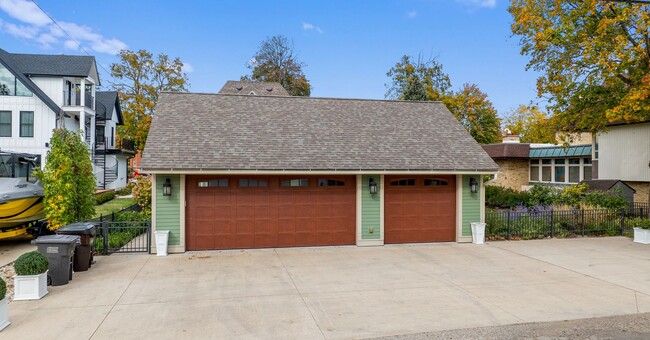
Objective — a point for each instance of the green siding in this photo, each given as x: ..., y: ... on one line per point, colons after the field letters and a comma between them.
x: 370, y: 209
x: 471, y: 206
x: 168, y: 208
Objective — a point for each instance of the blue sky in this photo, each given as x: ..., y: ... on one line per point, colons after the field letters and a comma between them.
x: 348, y: 46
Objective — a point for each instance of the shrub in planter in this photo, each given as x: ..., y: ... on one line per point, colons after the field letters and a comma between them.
x: 3, y: 289
x: 32, y: 263
x: 4, y: 315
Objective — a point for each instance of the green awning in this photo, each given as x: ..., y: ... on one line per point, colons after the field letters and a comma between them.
x: 559, y: 152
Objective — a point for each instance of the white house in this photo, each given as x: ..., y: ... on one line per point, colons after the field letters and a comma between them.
x: 623, y: 152
x: 39, y: 93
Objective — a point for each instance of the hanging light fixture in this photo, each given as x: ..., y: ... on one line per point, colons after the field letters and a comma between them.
x: 473, y: 184
x: 167, y: 187
x: 373, y: 186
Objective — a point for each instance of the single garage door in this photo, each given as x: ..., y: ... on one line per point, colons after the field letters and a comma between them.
x: 420, y: 209
x: 227, y: 212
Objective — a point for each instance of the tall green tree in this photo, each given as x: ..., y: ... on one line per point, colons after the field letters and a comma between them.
x: 424, y: 80
x: 420, y: 79
x: 531, y: 124
x: 593, y: 57
x: 476, y: 113
x: 68, y: 180
x: 275, y: 61
x: 139, y: 78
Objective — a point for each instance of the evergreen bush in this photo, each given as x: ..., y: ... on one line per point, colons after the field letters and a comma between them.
x: 32, y: 263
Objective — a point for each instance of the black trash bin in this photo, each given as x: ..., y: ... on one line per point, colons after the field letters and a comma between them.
x: 83, y: 253
x: 59, y: 250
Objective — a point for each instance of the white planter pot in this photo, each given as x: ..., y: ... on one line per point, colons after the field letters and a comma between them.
x: 642, y: 235
x: 30, y: 287
x: 162, y: 239
x: 478, y: 232
x: 4, y: 313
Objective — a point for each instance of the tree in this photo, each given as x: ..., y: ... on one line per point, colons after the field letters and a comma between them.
x: 68, y: 180
x: 419, y: 80
x: 139, y: 80
x: 275, y: 61
x: 593, y: 56
x: 531, y: 124
x: 476, y: 113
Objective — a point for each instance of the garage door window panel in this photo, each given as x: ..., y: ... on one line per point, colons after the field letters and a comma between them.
x: 326, y: 182
x: 213, y: 183
x: 295, y: 182
x: 435, y: 182
x: 253, y: 183
x: 403, y: 182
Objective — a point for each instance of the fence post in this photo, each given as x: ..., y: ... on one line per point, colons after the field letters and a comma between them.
x: 105, y: 237
x: 149, y: 236
x: 552, y: 223
x: 113, y: 216
x: 508, y: 225
x: 622, y: 221
x: 583, y: 221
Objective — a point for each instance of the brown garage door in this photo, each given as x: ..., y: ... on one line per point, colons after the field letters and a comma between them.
x: 420, y: 209
x: 226, y: 212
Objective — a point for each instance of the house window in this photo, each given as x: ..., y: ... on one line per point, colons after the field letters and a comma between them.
x: 219, y: 183
x: 299, y: 182
x: 546, y: 170
x: 407, y: 182
x: 586, y: 168
x: 534, y: 170
x: 5, y: 123
x: 560, y: 171
x: 574, y: 170
x: 26, y: 124
x: 254, y: 183
x: 433, y: 182
x: 10, y: 85
x: 112, y: 136
x: 324, y: 182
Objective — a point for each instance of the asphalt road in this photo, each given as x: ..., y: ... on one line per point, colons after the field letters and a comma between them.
x: 629, y: 327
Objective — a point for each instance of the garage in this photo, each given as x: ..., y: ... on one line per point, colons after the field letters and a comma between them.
x: 229, y: 212
x: 420, y: 209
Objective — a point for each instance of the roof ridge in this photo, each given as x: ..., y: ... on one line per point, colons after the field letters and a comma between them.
x: 304, y: 97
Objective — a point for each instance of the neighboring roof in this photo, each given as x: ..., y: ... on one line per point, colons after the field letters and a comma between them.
x: 507, y: 150
x: 559, y: 151
x: 106, y: 100
x: 220, y: 132
x: 55, y: 65
x: 8, y: 62
x: 604, y: 184
x: 259, y: 88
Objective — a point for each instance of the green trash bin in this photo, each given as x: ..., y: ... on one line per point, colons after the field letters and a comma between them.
x: 59, y: 250
x: 83, y: 253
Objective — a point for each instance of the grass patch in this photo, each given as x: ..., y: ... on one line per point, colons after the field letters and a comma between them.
x: 114, y: 205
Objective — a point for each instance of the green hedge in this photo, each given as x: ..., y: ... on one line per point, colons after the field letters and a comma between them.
x: 104, y: 197
x: 544, y: 195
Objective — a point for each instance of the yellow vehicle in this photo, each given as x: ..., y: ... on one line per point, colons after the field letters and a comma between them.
x: 21, y: 201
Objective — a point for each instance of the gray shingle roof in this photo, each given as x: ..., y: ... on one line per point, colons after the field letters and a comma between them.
x: 54, y: 65
x: 106, y: 100
x: 220, y: 132
x: 260, y: 88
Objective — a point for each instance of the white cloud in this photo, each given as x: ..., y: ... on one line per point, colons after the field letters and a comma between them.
x: 479, y: 3
x: 411, y: 14
x: 187, y: 67
x: 36, y: 26
x: 310, y: 27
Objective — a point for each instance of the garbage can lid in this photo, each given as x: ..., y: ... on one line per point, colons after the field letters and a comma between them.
x: 57, y: 239
x: 79, y: 228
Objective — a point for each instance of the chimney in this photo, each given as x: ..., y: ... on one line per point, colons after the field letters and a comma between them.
x: 509, y: 137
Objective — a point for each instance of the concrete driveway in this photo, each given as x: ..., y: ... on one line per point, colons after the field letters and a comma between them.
x: 341, y: 292
x: 10, y: 249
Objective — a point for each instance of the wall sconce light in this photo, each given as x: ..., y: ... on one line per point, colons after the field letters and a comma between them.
x: 167, y: 187
x: 473, y: 184
x: 373, y: 186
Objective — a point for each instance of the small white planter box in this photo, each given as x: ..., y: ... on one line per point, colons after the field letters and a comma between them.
x: 30, y: 287
x: 162, y: 239
x: 478, y: 232
x: 4, y: 313
x: 642, y: 235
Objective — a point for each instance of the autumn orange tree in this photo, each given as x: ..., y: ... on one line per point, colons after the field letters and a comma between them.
x: 424, y: 79
x: 593, y: 57
x: 531, y: 124
x: 139, y: 79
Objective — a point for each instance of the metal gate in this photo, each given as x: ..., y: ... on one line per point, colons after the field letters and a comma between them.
x: 123, y: 237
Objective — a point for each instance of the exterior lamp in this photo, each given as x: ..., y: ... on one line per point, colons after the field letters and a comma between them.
x: 167, y: 187
x: 473, y: 184
x: 373, y: 186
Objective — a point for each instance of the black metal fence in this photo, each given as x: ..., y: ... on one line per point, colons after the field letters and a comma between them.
x: 117, y: 235
x: 111, y: 216
x: 542, y: 223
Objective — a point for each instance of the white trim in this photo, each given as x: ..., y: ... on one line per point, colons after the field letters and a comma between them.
x: 370, y: 243
x: 481, y: 199
x: 183, y: 205
x: 459, y: 208
x: 154, y: 208
x: 359, y: 203
x: 317, y: 172
x: 381, y: 208
x: 464, y: 239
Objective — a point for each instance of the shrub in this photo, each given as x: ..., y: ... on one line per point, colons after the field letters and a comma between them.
x: 501, y: 197
x: 104, y: 197
x: 3, y: 288
x: 543, y: 195
x: 142, y: 194
x: 32, y: 263
x: 124, y: 191
x: 638, y: 223
x: 127, y: 216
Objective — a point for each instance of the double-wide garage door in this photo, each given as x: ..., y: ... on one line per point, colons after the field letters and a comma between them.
x: 226, y: 212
